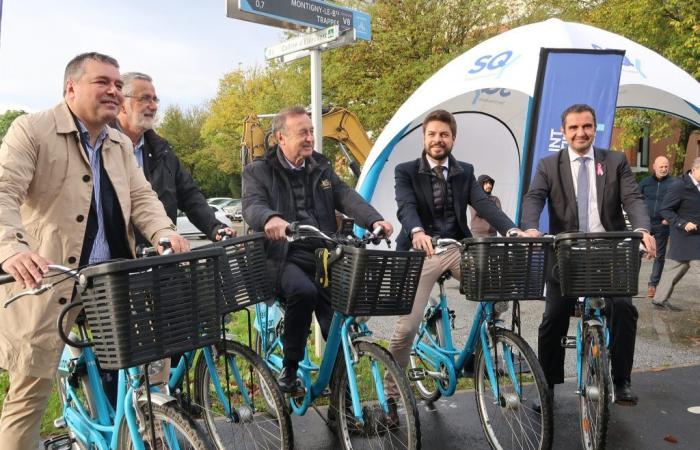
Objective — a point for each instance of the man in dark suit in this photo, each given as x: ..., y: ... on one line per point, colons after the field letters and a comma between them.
x: 432, y: 193
x: 586, y: 188
x: 681, y: 208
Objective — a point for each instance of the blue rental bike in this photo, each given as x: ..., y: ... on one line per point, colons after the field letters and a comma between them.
x: 593, y: 267
x: 135, y: 312
x: 508, y: 379
x: 362, y: 282
x: 235, y: 393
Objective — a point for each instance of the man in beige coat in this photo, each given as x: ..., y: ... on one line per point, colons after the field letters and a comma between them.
x: 49, y: 164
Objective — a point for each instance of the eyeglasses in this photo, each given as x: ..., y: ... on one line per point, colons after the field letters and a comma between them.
x: 145, y: 99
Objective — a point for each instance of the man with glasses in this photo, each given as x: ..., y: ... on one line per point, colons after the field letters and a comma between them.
x: 174, y: 185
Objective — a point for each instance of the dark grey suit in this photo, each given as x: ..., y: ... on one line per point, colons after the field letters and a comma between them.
x: 615, y: 188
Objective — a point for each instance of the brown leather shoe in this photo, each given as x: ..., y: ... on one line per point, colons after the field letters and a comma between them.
x: 651, y: 291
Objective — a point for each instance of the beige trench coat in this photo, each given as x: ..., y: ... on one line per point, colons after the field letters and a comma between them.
x: 45, y: 196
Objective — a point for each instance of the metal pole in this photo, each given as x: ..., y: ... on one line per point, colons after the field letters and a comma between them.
x: 316, y: 113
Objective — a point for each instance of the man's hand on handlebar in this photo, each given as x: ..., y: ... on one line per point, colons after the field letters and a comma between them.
x: 422, y: 241
x: 228, y: 231
x: 649, y: 245
x: 276, y: 228
x: 386, y: 226
x: 27, y: 268
x: 532, y: 232
x: 178, y: 243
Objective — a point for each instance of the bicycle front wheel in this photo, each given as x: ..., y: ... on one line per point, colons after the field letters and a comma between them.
x: 378, y: 427
x: 509, y: 419
x: 173, y: 430
x: 258, y: 416
x: 594, y: 398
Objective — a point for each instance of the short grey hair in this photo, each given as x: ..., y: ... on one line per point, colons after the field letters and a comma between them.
x: 279, y: 122
x: 129, y: 77
x: 696, y: 163
x: 76, y: 66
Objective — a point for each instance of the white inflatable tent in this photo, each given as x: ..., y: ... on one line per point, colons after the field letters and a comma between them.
x: 489, y: 88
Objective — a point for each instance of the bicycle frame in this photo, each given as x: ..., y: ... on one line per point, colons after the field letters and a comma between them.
x: 102, y: 431
x: 445, y: 356
x: 339, y: 339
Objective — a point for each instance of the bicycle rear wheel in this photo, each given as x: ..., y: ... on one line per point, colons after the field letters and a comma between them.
x: 510, y: 420
x: 261, y: 420
x: 377, y: 429
x: 428, y: 387
x: 173, y: 428
x: 594, y: 400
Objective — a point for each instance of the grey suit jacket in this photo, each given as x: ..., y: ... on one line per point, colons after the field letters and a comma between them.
x: 615, y: 188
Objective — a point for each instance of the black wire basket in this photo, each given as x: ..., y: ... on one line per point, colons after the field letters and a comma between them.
x: 598, y: 264
x: 504, y: 268
x: 247, y: 281
x: 368, y: 282
x: 147, y: 309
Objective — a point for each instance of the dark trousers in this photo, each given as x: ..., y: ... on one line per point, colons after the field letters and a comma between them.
x: 621, y: 317
x: 660, y: 233
x: 303, y: 297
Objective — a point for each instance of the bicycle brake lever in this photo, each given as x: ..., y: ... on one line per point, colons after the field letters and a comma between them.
x: 35, y: 291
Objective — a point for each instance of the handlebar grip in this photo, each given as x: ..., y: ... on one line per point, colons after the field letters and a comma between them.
x: 292, y: 228
x: 6, y: 278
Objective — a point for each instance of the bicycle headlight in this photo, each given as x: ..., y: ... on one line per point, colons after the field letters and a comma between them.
x: 596, y: 302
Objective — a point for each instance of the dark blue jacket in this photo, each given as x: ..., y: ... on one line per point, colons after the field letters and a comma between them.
x: 414, y: 196
x: 682, y: 205
x: 654, y: 189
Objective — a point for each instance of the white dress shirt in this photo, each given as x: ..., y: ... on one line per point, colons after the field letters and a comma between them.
x: 594, y: 223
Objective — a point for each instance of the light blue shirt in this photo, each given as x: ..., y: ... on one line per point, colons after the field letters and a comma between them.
x: 100, y: 249
x: 138, y: 151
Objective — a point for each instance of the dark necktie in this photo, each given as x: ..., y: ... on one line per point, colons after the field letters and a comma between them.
x: 582, y: 186
x: 442, y: 187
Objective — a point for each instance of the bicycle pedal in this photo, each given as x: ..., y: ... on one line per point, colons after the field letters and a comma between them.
x: 568, y: 342
x: 416, y: 374
x: 62, y: 442
x: 59, y: 423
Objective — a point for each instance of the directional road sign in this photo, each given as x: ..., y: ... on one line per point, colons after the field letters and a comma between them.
x: 303, y: 42
x: 300, y: 14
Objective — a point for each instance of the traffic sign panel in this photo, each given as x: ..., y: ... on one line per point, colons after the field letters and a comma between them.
x: 302, y: 42
x: 299, y: 14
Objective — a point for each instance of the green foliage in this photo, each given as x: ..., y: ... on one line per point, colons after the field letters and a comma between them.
x: 6, y: 120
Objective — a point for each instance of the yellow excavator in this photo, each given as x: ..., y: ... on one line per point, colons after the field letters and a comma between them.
x: 339, y: 124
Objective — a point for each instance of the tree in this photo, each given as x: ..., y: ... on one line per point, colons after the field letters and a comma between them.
x: 6, y: 120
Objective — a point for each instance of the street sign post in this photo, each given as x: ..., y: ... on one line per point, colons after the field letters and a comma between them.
x: 300, y: 14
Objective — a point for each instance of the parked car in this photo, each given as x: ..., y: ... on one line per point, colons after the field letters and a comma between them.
x: 186, y: 228
x: 238, y: 215
x: 229, y: 205
x: 217, y: 201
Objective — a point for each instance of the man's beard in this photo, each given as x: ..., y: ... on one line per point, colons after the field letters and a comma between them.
x: 446, y: 153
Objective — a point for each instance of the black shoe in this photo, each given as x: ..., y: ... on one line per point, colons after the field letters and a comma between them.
x: 666, y: 306
x: 392, y: 417
x: 288, y: 382
x: 624, y: 394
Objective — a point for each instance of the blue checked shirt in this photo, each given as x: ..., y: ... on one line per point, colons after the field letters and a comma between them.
x: 100, y: 248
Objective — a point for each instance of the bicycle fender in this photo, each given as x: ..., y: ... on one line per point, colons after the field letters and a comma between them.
x: 158, y: 398
x: 370, y: 339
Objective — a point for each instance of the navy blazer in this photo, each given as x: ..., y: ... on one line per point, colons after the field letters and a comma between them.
x: 414, y: 196
x: 682, y: 205
x: 615, y: 188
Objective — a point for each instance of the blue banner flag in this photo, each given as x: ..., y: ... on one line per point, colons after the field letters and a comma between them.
x: 566, y: 77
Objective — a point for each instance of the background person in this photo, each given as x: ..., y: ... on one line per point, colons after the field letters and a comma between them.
x: 654, y: 188
x: 681, y: 209
x: 479, y: 226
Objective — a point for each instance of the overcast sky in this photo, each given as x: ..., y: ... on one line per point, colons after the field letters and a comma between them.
x: 185, y: 45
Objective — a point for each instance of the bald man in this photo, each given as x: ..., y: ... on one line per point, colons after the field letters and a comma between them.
x: 654, y: 189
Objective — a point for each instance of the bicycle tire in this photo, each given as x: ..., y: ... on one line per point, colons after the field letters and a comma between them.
x: 511, y: 422
x: 188, y: 435
x: 266, y: 424
x: 376, y: 432
x: 594, y: 400
x: 428, y: 387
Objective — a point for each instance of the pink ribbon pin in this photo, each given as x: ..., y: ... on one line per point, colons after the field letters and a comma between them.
x: 599, y: 169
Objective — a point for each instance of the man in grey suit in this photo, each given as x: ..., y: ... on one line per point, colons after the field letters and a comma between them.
x: 586, y: 188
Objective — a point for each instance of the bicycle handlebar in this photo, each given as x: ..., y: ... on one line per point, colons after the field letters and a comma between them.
x: 295, y: 229
x: 6, y: 278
